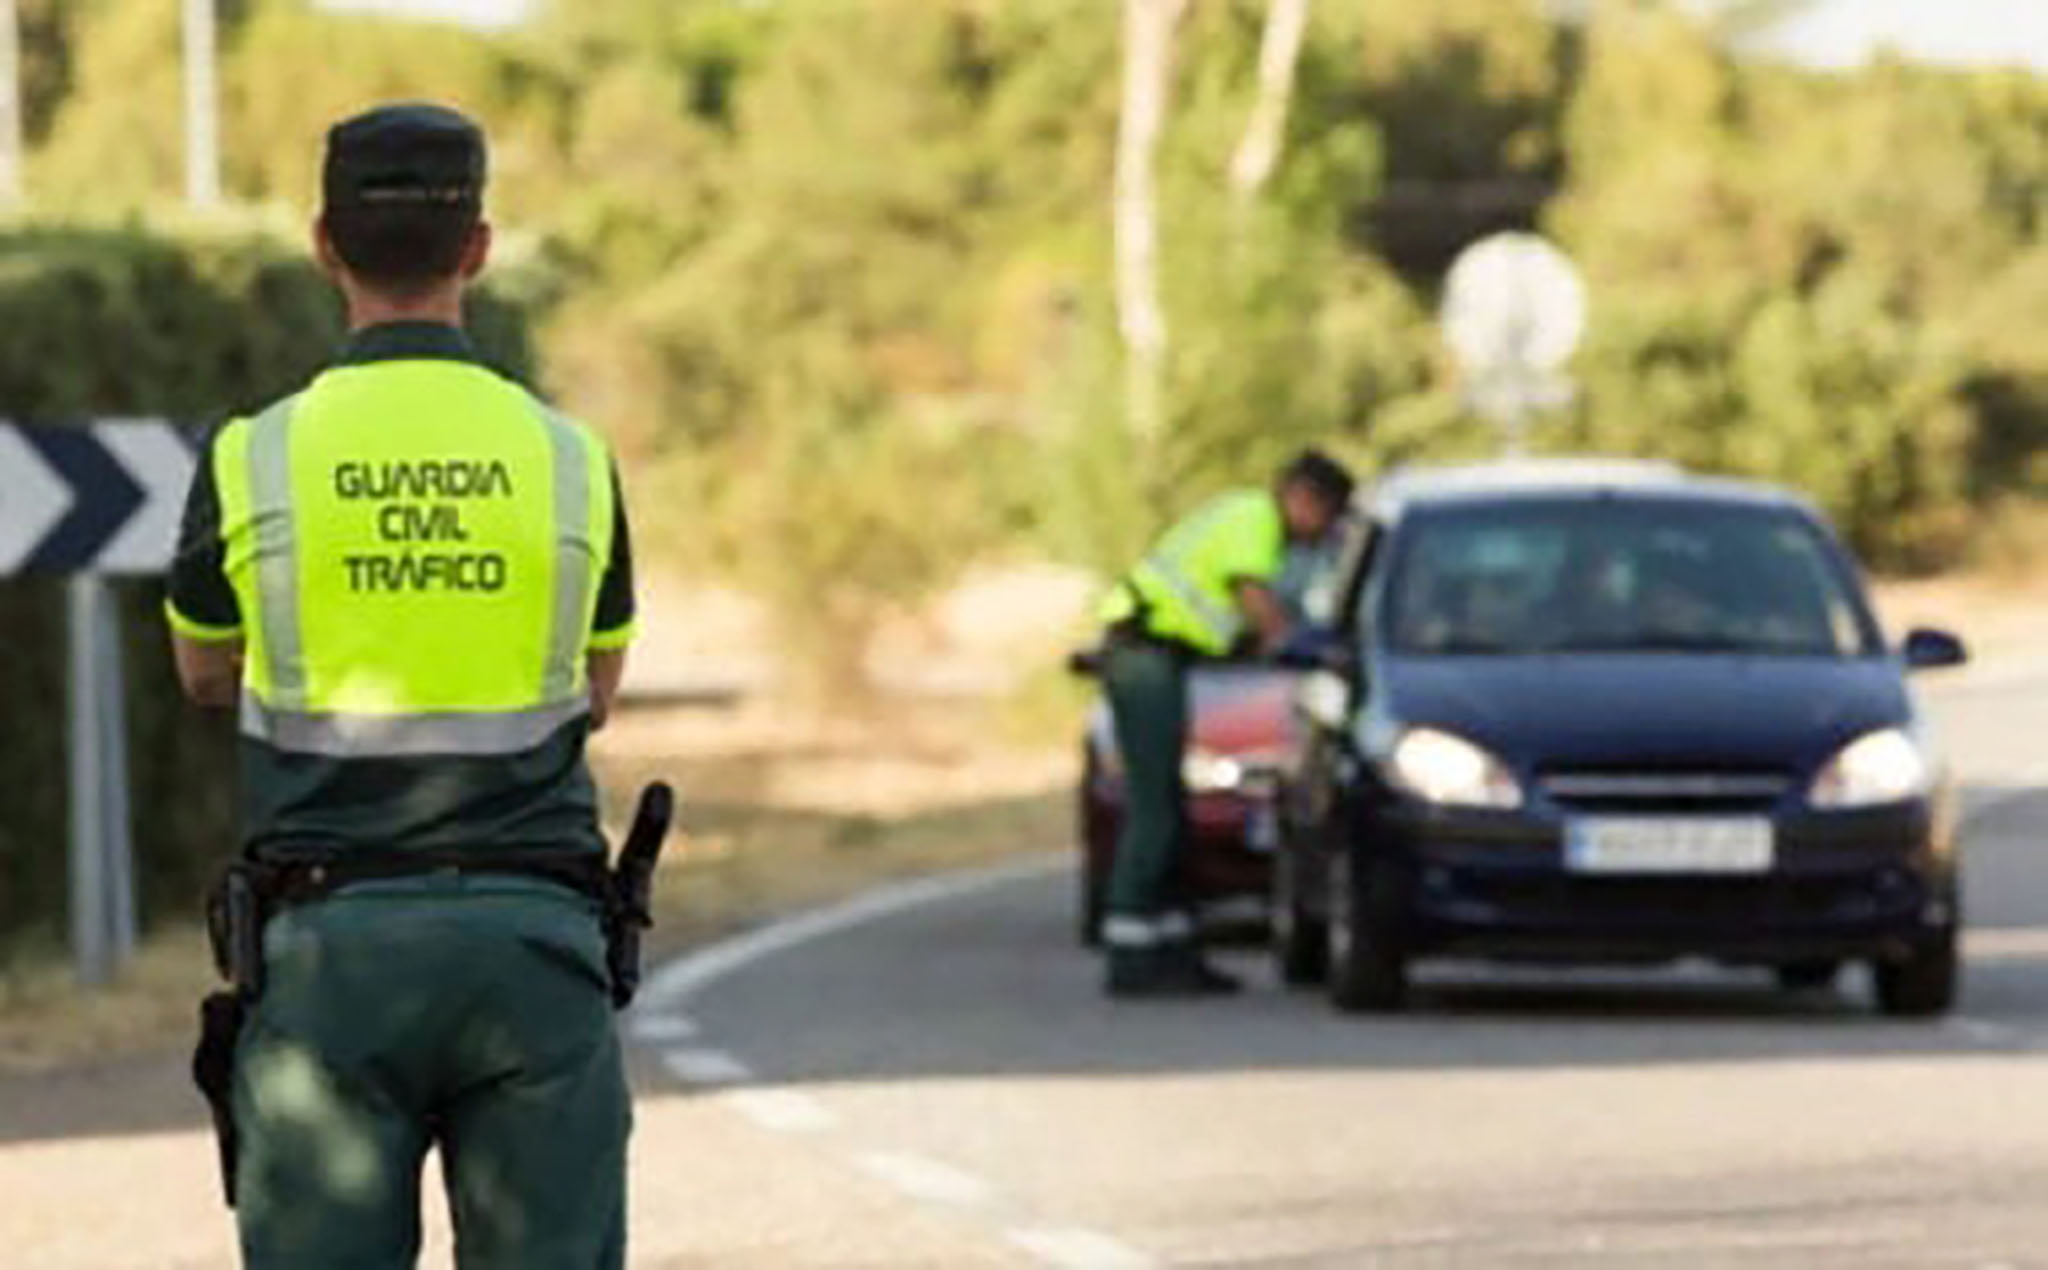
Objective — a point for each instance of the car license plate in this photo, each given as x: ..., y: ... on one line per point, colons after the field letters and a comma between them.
x: 1669, y: 844
x: 1262, y: 829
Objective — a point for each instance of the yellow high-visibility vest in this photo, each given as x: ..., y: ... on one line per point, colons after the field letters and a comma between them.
x: 1185, y: 590
x: 416, y: 548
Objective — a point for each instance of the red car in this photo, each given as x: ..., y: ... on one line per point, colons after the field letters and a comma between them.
x: 1242, y: 731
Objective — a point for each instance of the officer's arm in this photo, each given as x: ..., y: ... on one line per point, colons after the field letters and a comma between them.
x: 199, y: 605
x: 613, y: 626
x: 607, y: 668
x: 211, y: 672
x: 1267, y: 615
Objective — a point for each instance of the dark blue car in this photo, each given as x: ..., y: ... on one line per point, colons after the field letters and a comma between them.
x: 1613, y: 713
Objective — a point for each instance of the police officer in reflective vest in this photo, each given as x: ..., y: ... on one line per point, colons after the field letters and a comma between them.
x: 412, y: 580
x: 1202, y: 592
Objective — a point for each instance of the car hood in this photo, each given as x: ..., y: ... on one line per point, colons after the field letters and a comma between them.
x: 1241, y: 711
x: 1237, y: 711
x: 1718, y: 711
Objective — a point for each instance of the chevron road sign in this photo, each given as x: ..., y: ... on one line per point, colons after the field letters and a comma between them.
x: 92, y: 502
x: 103, y: 498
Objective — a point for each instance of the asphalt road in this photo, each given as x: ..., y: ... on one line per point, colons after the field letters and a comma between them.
x: 931, y: 1079
x: 949, y: 1072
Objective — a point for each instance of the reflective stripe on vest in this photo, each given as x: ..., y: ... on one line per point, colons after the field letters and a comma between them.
x: 412, y: 594
x: 1196, y: 610
x: 277, y: 581
x: 1222, y: 625
x: 405, y: 735
x: 574, y: 555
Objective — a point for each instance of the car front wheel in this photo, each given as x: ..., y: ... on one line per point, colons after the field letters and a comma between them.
x: 1301, y: 940
x: 1368, y: 962
x: 1923, y: 984
x: 1091, y: 903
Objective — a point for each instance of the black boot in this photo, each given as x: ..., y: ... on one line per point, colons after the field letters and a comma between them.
x: 1165, y: 970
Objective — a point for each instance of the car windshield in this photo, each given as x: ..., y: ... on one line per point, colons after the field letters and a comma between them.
x: 1614, y: 575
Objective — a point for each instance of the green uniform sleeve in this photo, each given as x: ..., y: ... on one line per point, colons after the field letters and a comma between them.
x: 616, y: 622
x: 199, y: 603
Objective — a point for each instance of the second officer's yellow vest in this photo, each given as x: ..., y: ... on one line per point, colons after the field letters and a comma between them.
x: 1185, y: 590
x: 416, y: 548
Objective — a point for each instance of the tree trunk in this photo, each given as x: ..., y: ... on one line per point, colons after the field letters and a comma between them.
x: 1148, y: 77
x: 1258, y: 154
x: 202, y: 104
x: 11, y: 145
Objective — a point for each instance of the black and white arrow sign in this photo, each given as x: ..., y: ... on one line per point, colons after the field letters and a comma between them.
x: 104, y: 498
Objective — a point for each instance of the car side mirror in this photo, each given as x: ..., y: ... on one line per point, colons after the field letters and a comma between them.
x: 1324, y: 699
x: 1928, y: 649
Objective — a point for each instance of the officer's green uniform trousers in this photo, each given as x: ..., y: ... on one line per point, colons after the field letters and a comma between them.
x: 1146, y: 684
x: 469, y: 1011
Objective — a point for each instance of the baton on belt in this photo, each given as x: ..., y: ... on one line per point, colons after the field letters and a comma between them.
x: 633, y: 888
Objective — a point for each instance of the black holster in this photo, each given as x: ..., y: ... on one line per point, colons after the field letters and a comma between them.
x: 235, y: 913
x: 221, y: 1017
x: 629, y: 911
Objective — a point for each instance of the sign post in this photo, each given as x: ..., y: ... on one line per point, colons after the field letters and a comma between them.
x: 1514, y: 311
x: 91, y: 845
x: 91, y: 503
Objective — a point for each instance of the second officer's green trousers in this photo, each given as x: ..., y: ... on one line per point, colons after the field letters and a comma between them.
x: 464, y: 1013
x: 1146, y: 684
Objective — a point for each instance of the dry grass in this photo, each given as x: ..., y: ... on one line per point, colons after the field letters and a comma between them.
x: 781, y: 812
x: 776, y: 818
x: 47, y: 1021
x: 738, y: 867
x: 2001, y: 614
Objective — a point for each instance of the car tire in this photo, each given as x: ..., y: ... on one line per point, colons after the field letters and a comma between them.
x: 1808, y: 976
x: 1368, y: 962
x: 1923, y: 985
x: 1093, y: 902
x: 1301, y: 940
x: 1092, y: 885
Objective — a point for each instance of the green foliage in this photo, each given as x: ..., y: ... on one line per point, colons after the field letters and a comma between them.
x: 1819, y: 280
x: 851, y: 253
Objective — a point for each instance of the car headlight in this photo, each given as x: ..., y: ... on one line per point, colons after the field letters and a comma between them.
x: 1876, y: 768
x: 1247, y: 772
x: 1206, y: 773
x: 1438, y: 767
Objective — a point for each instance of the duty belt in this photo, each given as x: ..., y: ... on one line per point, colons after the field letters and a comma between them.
x: 291, y: 882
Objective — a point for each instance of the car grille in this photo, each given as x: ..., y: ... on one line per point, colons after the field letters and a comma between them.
x: 1676, y: 902
x: 1700, y: 792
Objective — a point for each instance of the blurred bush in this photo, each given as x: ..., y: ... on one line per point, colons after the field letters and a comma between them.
x: 126, y: 323
x: 834, y: 276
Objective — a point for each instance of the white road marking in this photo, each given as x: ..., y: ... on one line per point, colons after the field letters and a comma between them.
x: 2000, y: 674
x: 679, y: 980
x: 1072, y: 1248
x: 782, y: 1110
x: 926, y: 1179
x: 706, y: 1067
x: 1982, y: 1031
x: 662, y: 1027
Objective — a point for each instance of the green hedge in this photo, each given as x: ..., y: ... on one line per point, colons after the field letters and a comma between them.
x: 131, y: 323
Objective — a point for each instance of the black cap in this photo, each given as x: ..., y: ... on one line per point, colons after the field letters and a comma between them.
x: 408, y: 154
